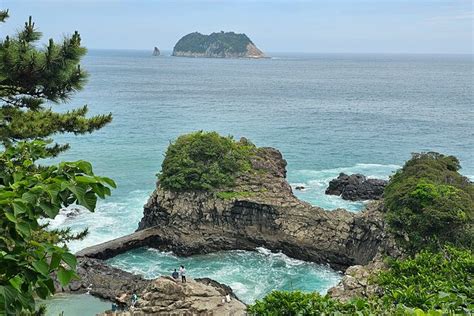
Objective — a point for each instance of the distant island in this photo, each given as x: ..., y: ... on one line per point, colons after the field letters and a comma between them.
x: 217, y: 45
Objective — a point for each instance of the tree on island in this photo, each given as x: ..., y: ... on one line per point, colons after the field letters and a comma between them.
x: 31, y: 80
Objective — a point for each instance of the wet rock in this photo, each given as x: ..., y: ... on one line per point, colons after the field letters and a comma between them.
x: 356, y: 187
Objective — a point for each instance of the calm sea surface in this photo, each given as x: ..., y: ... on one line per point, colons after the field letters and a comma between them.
x: 326, y: 113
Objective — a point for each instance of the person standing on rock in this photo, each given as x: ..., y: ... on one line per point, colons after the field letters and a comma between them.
x: 175, y: 274
x: 182, y: 272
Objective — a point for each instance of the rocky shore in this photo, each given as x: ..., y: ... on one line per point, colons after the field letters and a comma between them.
x: 259, y: 211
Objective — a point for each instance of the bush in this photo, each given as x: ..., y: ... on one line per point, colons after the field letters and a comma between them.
x: 204, y: 161
x: 430, y: 204
x: 442, y: 281
x: 428, y: 284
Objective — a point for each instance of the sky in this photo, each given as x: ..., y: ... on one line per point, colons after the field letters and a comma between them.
x: 319, y: 26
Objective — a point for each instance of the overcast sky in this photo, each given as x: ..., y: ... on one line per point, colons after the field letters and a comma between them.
x: 341, y: 26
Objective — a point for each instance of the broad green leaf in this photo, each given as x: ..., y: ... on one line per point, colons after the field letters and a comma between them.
x: 55, y: 260
x: 85, y: 166
x: 19, y: 207
x: 49, y: 209
x: 10, y: 217
x: 24, y: 228
x: 89, y: 201
x: 64, y: 276
x: 41, y: 266
x: 109, y: 181
x: 16, y: 282
x: 70, y: 259
x: 86, y: 179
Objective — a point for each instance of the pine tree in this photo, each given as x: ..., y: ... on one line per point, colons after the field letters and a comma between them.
x: 33, y: 79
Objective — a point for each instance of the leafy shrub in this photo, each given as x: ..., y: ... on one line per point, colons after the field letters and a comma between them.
x: 204, y: 161
x: 28, y: 192
x: 296, y: 303
x: 430, y: 204
x: 428, y: 284
x: 441, y: 281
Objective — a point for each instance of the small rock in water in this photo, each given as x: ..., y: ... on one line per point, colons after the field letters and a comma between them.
x: 356, y: 187
x: 300, y: 188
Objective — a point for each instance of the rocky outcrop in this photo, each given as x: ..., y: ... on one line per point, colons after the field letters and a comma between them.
x: 160, y: 296
x: 358, y: 282
x: 356, y: 187
x: 262, y: 212
x: 217, y: 45
x: 101, y: 280
x: 166, y: 296
x: 267, y: 215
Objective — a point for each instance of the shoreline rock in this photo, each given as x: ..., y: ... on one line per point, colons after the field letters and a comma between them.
x: 163, y: 295
x: 166, y: 296
x: 356, y: 187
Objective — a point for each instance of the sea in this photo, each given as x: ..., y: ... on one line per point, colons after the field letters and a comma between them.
x: 326, y: 113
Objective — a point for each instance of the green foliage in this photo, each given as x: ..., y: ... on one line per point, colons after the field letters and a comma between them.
x: 428, y: 284
x: 441, y: 281
x: 28, y: 254
x: 220, y: 42
x: 430, y: 204
x: 230, y: 195
x: 31, y: 78
x: 204, y: 161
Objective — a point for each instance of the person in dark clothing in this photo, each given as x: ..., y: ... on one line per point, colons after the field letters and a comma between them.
x: 175, y: 274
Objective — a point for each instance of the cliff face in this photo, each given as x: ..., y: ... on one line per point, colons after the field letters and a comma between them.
x: 262, y: 211
x: 217, y: 45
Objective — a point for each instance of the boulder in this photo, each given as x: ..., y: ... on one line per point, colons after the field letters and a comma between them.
x: 356, y: 187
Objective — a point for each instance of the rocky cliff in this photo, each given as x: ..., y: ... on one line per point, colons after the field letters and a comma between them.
x: 217, y: 45
x: 261, y: 210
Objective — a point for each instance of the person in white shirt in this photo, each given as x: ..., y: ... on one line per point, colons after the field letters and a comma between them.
x: 182, y: 272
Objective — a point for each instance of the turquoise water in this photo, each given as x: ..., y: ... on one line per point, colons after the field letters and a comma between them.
x: 326, y: 113
x: 75, y: 305
x: 250, y: 274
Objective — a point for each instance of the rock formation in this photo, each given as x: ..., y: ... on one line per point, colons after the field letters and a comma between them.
x: 102, y: 280
x: 262, y: 212
x: 356, y: 187
x: 156, y: 51
x: 217, y: 45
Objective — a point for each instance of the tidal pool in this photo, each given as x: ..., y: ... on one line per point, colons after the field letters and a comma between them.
x: 75, y: 305
x: 251, y: 274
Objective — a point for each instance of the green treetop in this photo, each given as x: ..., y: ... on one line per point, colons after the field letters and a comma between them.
x: 33, y: 79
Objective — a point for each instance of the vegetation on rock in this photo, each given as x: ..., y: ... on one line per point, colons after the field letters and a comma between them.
x: 29, y: 79
x: 221, y: 42
x: 204, y: 161
x: 430, y: 204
